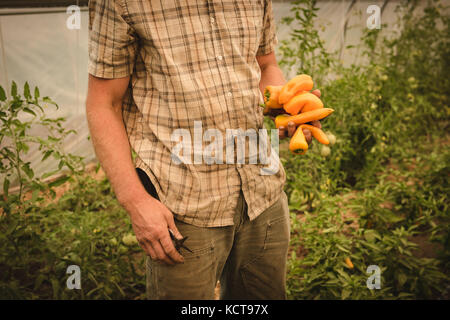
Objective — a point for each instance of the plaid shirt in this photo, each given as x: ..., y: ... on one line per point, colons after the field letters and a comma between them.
x: 189, y: 61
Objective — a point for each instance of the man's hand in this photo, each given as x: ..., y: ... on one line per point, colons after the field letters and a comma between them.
x: 151, y: 220
x: 291, y: 127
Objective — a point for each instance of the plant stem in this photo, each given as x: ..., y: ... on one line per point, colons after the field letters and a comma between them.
x: 17, y: 162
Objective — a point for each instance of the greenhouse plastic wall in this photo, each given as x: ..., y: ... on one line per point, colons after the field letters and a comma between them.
x: 37, y: 46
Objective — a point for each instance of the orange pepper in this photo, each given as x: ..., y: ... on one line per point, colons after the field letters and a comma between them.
x: 303, y: 102
x: 318, y: 114
x: 299, y: 83
x: 316, y: 133
x: 349, y: 263
x: 271, y: 94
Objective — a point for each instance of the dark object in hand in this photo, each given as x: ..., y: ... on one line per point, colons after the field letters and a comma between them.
x: 179, y: 243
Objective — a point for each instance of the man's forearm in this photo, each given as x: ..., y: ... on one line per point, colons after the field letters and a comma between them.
x: 113, y: 150
x: 271, y: 75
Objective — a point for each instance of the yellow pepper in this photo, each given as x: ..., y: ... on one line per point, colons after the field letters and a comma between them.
x: 298, y: 144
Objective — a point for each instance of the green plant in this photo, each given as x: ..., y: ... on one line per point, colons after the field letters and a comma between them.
x: 380, y: 197
x: 41, y: 234
x: 304, y: 50
x: 18, y: 116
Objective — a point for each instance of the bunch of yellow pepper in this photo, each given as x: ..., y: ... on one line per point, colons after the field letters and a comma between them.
x: 301, y: 107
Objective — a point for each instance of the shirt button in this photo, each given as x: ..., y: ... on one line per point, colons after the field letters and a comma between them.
x: 219, y: 58
x: 229, y: 94
x: 212, y: 20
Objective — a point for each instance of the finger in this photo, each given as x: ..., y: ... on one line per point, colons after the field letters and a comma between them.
x: 308, y: 135
x: 146, y: 244
x: 148, y: 249
x: 170, y: 250
x: 281, y: 132
x: 317, y: 93
x: 316, y: 123
x: 291, y: 128
x: 161, y: 255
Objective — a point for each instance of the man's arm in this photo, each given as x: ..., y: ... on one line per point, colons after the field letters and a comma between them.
x: 271, y: 74
x: 149, y: 217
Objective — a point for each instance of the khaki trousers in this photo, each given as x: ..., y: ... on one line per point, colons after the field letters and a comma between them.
x: 249, y: 259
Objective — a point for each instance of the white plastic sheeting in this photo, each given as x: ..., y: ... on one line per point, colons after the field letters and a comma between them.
x: 40, y: 49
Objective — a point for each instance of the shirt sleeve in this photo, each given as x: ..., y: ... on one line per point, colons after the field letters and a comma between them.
x: 112, y: 41
x: 269, y: 37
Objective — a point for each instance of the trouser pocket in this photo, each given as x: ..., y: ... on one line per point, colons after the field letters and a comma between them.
x: 265, y: 276
x: 193, y: 279
x: 257, y: 267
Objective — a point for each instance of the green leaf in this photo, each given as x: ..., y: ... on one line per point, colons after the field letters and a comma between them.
x: 342, y: 248
x: 372, y: 246
x: 53, y: 139
x: 26, y: 91
x: 22, y: 147
x: 9, y: 153
x: 332, y: 229
x: 14, y: 89
x: 58, y: 181
x: 343, y: 274
x: 2, y: 94
x: 27, y: 169
x: 48, y: 100
x: 28, y: 110
x: 36, y: 93
x: 47, y: 154
x: 49, y: 174
x: 371, y: 235
x: 390, y: 217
